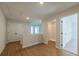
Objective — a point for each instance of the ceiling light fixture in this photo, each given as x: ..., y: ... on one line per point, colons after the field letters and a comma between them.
x: 27, y: 18
x: 41, y: 2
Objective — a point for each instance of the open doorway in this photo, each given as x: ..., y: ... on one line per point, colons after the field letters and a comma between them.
x: 52, y: 31
x: 69, y: 33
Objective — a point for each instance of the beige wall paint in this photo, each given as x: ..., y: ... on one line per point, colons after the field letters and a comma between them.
x: 45, y: 32
x: 2, y: 31
x: 52, y: 30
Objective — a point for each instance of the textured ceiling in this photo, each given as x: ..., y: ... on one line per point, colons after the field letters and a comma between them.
x: 18, y: 11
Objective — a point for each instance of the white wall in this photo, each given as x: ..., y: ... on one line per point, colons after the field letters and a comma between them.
x: 52, y: 30
x: 58, y: 39
x: 23, y: 30
x: 29, y: 39
x: 2, y: 32
x: 45, y: 32
x: 14, y: 31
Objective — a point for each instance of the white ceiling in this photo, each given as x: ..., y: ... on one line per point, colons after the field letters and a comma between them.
x: 21, y: 10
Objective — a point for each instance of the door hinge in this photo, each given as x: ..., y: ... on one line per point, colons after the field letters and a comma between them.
x: 61, y: 32
x: 61, y: 44
x: 61, y: 21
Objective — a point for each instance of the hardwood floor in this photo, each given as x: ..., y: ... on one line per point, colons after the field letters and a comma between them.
x: 15, y: 49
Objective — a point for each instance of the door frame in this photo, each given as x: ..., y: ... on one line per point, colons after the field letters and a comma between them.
x: 61, y: 43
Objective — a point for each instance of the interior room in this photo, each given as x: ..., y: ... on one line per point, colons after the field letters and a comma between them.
x: 39, y: 28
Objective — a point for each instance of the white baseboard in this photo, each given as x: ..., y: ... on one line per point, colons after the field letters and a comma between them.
x: 12, y: 41
x: 45, y: 42
x: 68, y: 53
x: 24, y: 46
x: 52, y: 39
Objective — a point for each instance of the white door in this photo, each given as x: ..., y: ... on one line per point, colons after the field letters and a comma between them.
x: 69, y: 33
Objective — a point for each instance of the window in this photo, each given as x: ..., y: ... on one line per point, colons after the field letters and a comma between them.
x: 35, y: 29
